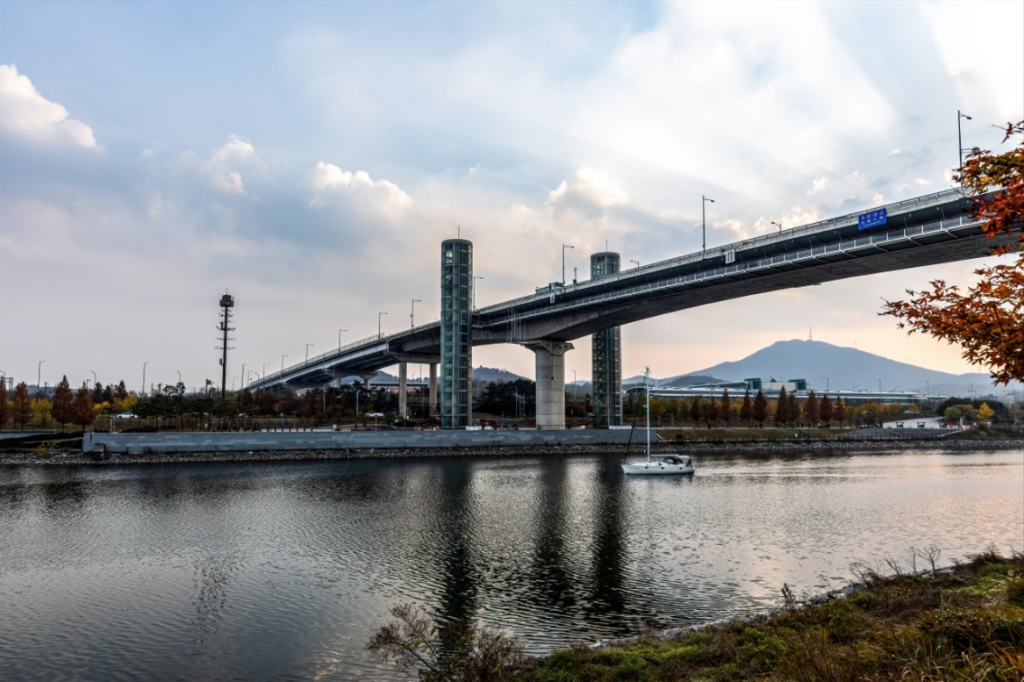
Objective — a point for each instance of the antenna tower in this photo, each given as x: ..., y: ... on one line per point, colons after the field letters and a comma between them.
x: 227, y: 302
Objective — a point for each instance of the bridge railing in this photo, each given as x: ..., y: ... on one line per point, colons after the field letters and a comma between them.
x: 753, y: 242
x: 812, y: 253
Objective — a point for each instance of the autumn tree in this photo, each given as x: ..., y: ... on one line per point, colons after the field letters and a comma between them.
x: 792, y: 407
x: 121, y: 392
x: 62, y: 410
x: 760, y: 408
x: 84, y: 413
x: 987, y: 319
x: 782, y: 408
x: 5, y: 407
x: 985, y: 412
x: 21, y: 405
x: 712, y: 412
x: 839, y: 411
x: 725, y: 406
x: 826, y: 411
x: 696, y: 410
x: 812, y: 408
x: 747, y: 409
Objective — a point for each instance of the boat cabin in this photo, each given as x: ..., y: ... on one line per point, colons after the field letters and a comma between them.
x: 676, y: 459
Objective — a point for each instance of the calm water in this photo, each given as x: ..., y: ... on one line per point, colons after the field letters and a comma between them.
x: 281, y: 570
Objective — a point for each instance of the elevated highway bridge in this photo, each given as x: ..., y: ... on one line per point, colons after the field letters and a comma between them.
x: 925, y: 230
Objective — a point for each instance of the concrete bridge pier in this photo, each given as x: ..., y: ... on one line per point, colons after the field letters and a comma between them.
x: 403, y: 390
x: 550, y: 364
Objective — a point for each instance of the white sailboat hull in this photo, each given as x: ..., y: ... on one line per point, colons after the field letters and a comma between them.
x: 657, y: 469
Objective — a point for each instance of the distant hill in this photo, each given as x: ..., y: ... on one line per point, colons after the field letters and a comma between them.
x: 490, y: 374
x: 679, y: 380
x: 847, y: 368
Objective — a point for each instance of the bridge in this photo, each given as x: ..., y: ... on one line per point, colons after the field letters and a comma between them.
x: 925, y: 230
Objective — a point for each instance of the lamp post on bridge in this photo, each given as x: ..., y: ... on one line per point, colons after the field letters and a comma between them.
x: 339, y: 338
x: 959, y: 136
x: 412, y: 313
x: 564, y: 247
x: 379, y: 315
x: 282, y: 363
x: 779, y: 225
x: 635, y: 262
x: 703, y: 223
x: 307, y: 351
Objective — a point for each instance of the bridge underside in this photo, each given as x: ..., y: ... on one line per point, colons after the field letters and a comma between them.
x: 822, y: 269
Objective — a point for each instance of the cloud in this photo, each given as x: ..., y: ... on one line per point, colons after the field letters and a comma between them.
x: 28, y: 116
x: 329, y: 183
x: 590, y: 191
x: 817, y: 186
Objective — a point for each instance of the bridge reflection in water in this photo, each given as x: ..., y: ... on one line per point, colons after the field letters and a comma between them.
x: 282, y: 570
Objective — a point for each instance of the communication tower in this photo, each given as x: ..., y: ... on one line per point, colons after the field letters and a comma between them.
x: 227, y: 302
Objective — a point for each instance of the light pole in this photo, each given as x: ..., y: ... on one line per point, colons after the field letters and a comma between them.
x: 307, y: 351
x: 879, y: 385
x: 475, y: 277
x: 635, y: 262
x: 93, y: 377
x: 564, y: 247
x: 339, y: 338
x: 779, y: 225
x: 959, y: 137
x: 282, y: 363
x: 242, y: 381
x: 575, y: 388
x: 378, y: 324
x: 144, y: 377
x: 39, y: 375
x: 179, y: 375
x: 703, y: 223
x: 412, y: 313
x: 826, y: 384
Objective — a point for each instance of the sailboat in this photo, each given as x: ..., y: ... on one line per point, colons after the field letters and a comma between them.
x: 668, y: 464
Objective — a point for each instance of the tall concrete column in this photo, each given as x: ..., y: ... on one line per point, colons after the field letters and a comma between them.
x: 550, y: 363
x: 606, y: 348
x: 403, y: 390
x: 456, y: 333
x: 433, y: 388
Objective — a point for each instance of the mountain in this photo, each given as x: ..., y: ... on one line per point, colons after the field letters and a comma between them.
x: 678, y: 380
x: 824, y: 365
x: 490, y: 374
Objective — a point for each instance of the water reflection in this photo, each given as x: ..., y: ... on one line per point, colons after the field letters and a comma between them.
x: 280, y: 570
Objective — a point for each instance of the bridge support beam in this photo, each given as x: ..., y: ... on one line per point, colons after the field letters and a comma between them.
x: 403, y: 390
x: 550, y: 363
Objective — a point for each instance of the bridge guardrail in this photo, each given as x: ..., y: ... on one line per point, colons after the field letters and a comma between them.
x: 846, y: 245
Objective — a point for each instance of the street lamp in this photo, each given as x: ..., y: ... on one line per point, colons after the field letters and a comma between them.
x: 412, y: 313
x: 635, y: 262
x: 564, y: 247
x: 575, y: 389
x: 826, y: 384
x: 93, y: 377
x: 959, y: 137
x: 39, y: 375
x: 282, y: 363
x: 179, y: 375
x: 144, y: 377
x: 307, y: 351
x: 779, y: 225
x: 378, y: 324
x: 475, y: 277
x: 703, y: 223
x: 339, y: 338
x: 879, y: 385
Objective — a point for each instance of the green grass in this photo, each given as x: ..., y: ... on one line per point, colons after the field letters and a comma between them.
x: 964, y: 625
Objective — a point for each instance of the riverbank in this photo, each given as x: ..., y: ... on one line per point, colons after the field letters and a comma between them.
x: 963, y: 623
x: 43, y: 456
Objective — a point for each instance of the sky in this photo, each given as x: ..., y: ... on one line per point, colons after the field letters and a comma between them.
x: 309, y: 158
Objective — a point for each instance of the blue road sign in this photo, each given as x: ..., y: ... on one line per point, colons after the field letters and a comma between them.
x: 871, y: 219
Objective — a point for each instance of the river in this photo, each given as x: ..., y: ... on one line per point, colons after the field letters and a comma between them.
x: 281, y: 570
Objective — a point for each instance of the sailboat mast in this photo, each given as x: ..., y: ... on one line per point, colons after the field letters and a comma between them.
x: 647, y: 391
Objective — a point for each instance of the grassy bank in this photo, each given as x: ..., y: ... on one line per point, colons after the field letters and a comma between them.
x: 963, y: 624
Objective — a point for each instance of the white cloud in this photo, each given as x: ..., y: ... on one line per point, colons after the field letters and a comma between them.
x: 817, y: 186
x: 591, y: 190
x: 329, y: 182
x: 28, y: 116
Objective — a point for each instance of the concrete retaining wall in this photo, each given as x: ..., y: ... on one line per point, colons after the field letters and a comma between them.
x: 137, y: 443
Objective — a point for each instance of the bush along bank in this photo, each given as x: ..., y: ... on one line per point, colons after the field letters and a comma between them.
x: 962, y: 623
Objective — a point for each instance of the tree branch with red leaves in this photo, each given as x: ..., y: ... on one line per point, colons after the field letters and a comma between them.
x: 986, y: 319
